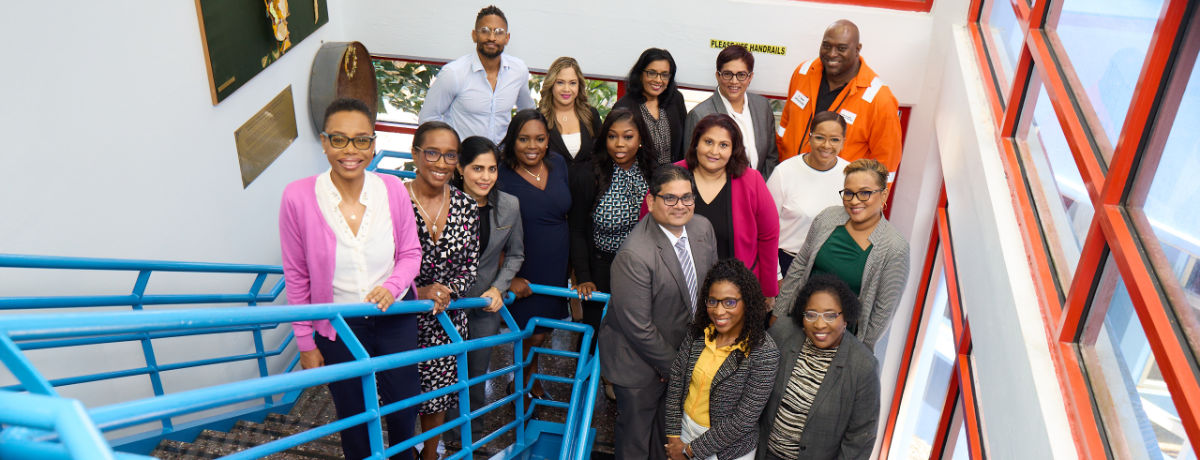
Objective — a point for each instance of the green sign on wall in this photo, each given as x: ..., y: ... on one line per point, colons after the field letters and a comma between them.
x: 243, y: 37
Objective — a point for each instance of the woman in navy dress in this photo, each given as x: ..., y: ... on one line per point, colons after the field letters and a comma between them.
x: 539, y: 181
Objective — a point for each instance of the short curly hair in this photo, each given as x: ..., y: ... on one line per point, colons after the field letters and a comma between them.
x: 834, y: 286
x: 753, y: 302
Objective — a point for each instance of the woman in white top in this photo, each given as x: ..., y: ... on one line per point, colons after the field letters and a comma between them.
x: 805, y: 185
x: 572, y: 124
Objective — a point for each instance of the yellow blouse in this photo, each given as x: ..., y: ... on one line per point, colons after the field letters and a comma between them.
x: 707, y: 364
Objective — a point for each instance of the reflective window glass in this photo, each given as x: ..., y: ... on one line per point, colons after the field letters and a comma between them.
x: 1136, y: 409
x: 1063, y: 206
x: 402, y: 87
x: 395, y: 142
x: 1004, y: 37
x: 928, y: 378
x: 1106, y: 42
x: 1170, y: 208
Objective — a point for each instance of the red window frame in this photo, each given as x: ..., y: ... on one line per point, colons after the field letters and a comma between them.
x: 1066, y: 304
x: 922, y: 6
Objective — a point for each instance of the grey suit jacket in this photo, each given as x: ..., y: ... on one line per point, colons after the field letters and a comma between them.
x: 507, y: 239
x: 649, y: 311
x: 764, y: 128
x: 883, y: 279
x: 841, y: 422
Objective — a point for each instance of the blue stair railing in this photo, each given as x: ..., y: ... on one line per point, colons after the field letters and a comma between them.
x: 374, y: 165
x: 35, y: 428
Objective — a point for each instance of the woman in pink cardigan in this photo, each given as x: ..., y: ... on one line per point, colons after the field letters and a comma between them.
x: 349, y: 236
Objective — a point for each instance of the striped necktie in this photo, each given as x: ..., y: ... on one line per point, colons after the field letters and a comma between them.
x: 689, y: 270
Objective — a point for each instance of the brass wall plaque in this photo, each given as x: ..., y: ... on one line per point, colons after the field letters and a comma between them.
x: 264, y: 136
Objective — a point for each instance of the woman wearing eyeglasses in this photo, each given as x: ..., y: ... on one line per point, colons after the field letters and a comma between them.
x: 825, y: 401
x: 857, y: 244
x: 808, y: 183
x: 538, y: 178
x: 753, y: 114
x: 349, y: 236
x: 723, y: 374
x: 651, y: 93
x: 448, y: 227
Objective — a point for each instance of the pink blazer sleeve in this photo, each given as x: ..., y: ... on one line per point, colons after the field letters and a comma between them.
x: 767, y: 220
x: 295, y: 262
x: 408, y: 246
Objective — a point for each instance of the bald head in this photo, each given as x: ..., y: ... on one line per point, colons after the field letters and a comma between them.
x: 839, y: 52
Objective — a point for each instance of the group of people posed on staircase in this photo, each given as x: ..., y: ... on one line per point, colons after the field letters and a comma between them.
x: 750, y: 265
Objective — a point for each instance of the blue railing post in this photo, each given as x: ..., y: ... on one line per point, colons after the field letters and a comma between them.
x: 139, y: 290
x: 259, y: 348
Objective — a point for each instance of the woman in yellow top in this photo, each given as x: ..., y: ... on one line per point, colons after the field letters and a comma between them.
x: 724, y: 372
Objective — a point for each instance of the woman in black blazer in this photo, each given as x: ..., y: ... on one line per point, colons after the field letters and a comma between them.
x: 606, y: 195
x: 571, y: 122
x: 723, y: 374
x: 826, y: 375
x: 651, y: 93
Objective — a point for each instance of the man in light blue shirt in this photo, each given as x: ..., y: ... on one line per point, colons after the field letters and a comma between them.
x: 476, y: 93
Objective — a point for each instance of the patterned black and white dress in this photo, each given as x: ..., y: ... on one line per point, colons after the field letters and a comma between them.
x: 451, y: 261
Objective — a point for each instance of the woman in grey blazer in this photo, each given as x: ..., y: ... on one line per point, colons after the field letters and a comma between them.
x: 855, y: 242
x: 751, y: 112
x: 825, y: 401
x: 723, y: 373
x: 502, y: 251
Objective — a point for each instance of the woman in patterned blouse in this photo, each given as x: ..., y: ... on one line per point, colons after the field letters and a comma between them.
x: 825, y: 402
x: 448, y: 227
x: 606, y: 194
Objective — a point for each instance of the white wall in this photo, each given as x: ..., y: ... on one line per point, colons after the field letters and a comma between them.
x: 114, y: 149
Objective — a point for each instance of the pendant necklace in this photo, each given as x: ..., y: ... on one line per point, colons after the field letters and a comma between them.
x: 531, y: 173
x: 432, y: 223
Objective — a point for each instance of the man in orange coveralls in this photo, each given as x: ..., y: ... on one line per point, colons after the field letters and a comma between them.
x: 841, y: 82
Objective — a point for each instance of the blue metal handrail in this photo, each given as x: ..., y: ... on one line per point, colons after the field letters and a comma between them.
x: 374, y: 165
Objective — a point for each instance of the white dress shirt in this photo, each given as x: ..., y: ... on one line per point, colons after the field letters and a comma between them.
x: 745, y: 123
x: 367, y: 259
x: 462, y: 96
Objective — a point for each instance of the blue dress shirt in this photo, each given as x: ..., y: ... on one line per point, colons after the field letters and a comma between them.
x: 462, y: 96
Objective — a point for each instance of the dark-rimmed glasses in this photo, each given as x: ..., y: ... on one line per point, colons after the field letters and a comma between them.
x: 729, y: 303
x: 652, y: 75
x: 829, y: 316
x: 863, y: 195
x: 671, y: 200
x: 727, y: 75
x: 432, y: 156
x: 340, y: 141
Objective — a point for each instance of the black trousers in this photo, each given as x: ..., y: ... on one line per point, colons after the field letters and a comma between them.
x: 380, y: 335
x: 600, y: 264
x: 640, y: 431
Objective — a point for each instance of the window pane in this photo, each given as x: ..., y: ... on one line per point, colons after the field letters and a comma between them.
x: 959, y: 449
x: 402, y: 87
x: 1005, y: 39
x: 1106, y: 42
x: 928, y: 378
x: 396, y: 142
x: 1062, y: 204
x: 693, y: 97
x: 1135, y: 407
x: 1171, y: 211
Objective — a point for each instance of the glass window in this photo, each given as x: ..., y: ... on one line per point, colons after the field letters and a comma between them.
x: 1003, y: 34
x: 1106, y: 42
x: 395, y: 142
x: 956, y: 441
x: 1061, y: 201
x: 929, y: 377
x: 1137, y: 412
x: 402, y: 87
x: 693, y: 97
x: 1170, y: 210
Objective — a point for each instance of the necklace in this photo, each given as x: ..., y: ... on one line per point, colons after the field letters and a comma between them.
x: 353, y: 215
x: 531, y: 173
x: 432, y: 223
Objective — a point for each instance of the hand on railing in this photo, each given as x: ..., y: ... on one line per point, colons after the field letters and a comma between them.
x: 438, y: 293
x: 496, y: 299
x: 585, y: 290
x: 381, y: 297
x: 520, y: 287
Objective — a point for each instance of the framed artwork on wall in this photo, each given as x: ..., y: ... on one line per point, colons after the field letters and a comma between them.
x: 241, y: 37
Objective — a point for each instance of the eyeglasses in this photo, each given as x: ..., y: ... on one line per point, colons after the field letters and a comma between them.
x: 829, y: 316
x: 727, y: 303
x: 819, y: 139
x: 727, y: 75
x: 488, y: 31
x: 671, y: 200
x: 862, y: 195
x: 652, y: 75
x: 432, y: 156
x: 339, y: 141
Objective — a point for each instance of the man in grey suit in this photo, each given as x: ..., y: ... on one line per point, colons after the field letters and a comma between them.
x: 655, y: 279
x: 751, y: 112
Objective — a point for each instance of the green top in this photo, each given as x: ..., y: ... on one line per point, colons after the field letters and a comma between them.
x: 842, y: 257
